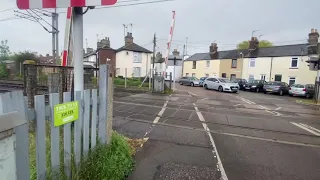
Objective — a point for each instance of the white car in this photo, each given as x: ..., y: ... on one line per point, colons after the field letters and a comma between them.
x: 221, y: 84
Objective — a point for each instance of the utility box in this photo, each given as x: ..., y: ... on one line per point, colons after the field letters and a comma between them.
x: 7, y: 144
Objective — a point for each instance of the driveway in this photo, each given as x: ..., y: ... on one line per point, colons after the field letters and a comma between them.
x: 204, y: 134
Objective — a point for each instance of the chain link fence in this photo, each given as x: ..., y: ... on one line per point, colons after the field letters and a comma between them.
x: 45, y: 79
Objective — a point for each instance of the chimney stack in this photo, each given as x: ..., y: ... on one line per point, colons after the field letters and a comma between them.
x: 104, y: 43
x: 313, y: 37
x: 175, y: 52
x: 89, y: 50
x: 128, y: 39
x: 253, y: 43
x: 213, y: 50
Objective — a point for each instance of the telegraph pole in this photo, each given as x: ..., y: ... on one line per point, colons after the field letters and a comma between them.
x: 154, y: 58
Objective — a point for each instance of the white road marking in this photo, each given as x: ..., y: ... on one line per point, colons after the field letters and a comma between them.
x: 237, y: 105
x: 235, y: 135
x: 310, y: 127
x: 193, y: 94
x: 215, y: 150
x: 278, y: 108
x: 307, y: 128
x: 262, y: 107
x: 154, y: 122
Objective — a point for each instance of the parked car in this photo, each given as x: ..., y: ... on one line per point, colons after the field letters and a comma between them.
x: 305, y: 90
x: 241, y: 82
x: 280, y: 88
x: 191, y: 81
x: 221, y: 84
x: 202, y: 80
x: 255, y: 85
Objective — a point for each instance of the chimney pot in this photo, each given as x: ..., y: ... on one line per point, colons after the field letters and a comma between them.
x: 47, y: 55
x: 315, y: 30
x: 312, y: 30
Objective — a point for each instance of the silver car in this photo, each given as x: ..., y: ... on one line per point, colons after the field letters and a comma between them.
x: 306, y: 90
x: 221, y: 84
x: 191, y: 81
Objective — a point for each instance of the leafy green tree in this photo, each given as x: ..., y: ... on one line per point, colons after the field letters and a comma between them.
x: 4, y: 50
x: 20, y: 57
x: 262, y: 43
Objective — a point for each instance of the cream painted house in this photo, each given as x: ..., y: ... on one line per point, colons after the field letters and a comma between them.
x: 132, y: 60
x: 279, y: 63
x: 201, y: 65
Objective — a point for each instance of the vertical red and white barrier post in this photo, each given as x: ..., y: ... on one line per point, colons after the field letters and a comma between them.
x: 67, y: 38
x: 169, y: 44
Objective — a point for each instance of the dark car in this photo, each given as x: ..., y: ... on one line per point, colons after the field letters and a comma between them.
x: 280, y: 88
x: 202, y: 80
x: 255, y: 85
x: 241, y: 82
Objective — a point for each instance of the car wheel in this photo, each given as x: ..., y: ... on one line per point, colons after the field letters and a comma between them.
x: 257, y: 90
x: 192, y: 84
x: 291, y: 95
x: 264, y: 92
x: 205, y: 87
x: 308, y: 96
x: 281, y: 92
x: 220, y: 89
x: 180, y: 83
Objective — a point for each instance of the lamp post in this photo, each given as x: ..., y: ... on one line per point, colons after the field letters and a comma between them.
x: 174, y: 72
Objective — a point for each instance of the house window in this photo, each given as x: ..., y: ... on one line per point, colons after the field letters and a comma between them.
x: 194, y: 64
x: 294, y: 63
x: 251, y: 77
x: 208, y: 64
x: 137, y: 57
x: 187, y: 74
x: 277, y: 77
x: 234, y: 63
x: 207, y: 75
x: 137, y: 72
x: 252, y: 63
x: 224, y: 75
x: 263, y: 77
x: 292, y: 80
x: 232, y: 76
x: 193, y: 74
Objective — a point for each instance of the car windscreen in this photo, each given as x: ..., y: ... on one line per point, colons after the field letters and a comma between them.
x: 203, y: 78
x: 295, y: 85
x: 194, y: 78
x: 235, y: 80
x: 225, y: 80
x: 273, y: 83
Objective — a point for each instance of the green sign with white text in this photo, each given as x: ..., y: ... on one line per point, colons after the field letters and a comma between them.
x: 66, y: 113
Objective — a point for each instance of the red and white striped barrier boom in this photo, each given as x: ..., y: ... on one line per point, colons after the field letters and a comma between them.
x: 39, y: 4
x: 67, y: 38
x: 169, y: 43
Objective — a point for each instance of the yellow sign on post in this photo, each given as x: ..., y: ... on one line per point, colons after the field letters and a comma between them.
x: 66, y: 113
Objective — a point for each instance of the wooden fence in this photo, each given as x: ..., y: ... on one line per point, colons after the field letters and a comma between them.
x: 69, y: 142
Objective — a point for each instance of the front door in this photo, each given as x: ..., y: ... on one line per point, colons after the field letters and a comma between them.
x: 278, y: 77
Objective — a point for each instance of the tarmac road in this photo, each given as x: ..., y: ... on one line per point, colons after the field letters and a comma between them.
x: 205, y: 134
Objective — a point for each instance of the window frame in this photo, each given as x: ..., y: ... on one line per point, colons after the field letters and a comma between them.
x: 206, y: 75
x: 291, y: 78
x: 194, y: 64
x: 250, y: 75
x: 236, y: 63
x: 193, y: 74
x: 294, y: 67
x: 187, y: 74
x: 252, y: 60
x: 208, y: 65
x: 223, y: 74
x: 137, y: 57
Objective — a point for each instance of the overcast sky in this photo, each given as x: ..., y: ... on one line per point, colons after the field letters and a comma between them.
x: 203, y: 21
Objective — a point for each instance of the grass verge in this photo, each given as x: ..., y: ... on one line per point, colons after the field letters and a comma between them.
x: 307, y: 101
x: 112, y: 161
